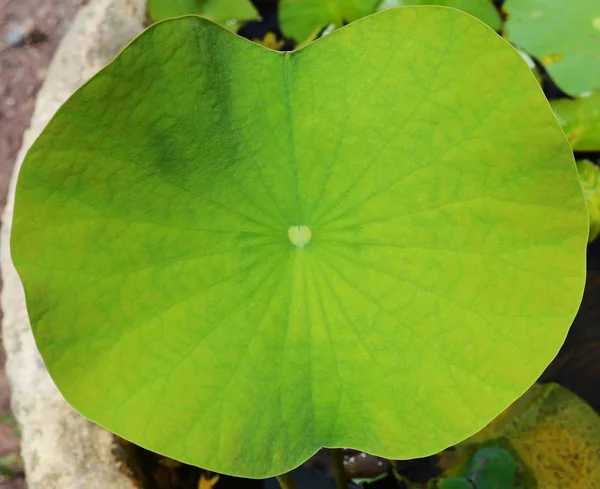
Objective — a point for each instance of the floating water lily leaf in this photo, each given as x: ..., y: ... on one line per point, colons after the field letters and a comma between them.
x: 234, y: 256
x: 589, y: 176
x: 554, y: 433
x: 228, y: 12
x: 580, y: 119
x: 452, y: 483
x: 484, y: 10
x: 492, y: 468
x: 369, y: 480
x: 301, y: 19
x: 564, y: 35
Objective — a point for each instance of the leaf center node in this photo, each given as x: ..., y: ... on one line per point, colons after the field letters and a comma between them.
x: 299, y: 235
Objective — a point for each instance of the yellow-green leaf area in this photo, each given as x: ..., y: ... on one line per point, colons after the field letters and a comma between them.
x: 564, y: 35
x: 234, y: 256
x: 589, y: 176
x: 484, y: 10
x: 580, y: 119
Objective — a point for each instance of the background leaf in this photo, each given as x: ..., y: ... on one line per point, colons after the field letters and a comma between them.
x: 445, y: 264
x: 580, y: 119
x: 484, y: 10
x: 554, y: 433
x: 452, y: 483
x: 492, y: 468
x: 564, y: 35
x: 589, y: 176
x: 301, y: 19
x: 221, y: 11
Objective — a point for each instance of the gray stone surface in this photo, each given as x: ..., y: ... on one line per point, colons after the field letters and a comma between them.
x: 61, y: 449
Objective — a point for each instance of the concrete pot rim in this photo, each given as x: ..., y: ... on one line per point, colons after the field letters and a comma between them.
x: 60, y: 448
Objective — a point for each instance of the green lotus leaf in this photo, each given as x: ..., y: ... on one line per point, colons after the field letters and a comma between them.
x: 493, y: 468
x: 303, y: 19
x: 484, y: 10
x: 553, y: 434
x: 369, y: 480
x: 580, y: 119
x: 234, y: 256
x: 589, y: 177
x: 564, y: 35
x: 227, y: 12
x: 452, y: 483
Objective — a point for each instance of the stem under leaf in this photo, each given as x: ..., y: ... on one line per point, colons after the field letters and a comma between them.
x: 286, y: 481
x: 337, y: 460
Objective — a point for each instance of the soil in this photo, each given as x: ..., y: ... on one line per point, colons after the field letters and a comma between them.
x: 30, y: 31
